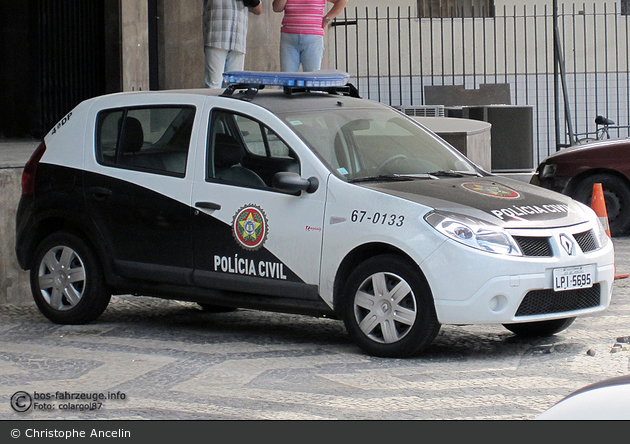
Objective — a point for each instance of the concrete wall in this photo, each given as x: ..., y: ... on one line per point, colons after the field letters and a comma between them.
x: 14, y: 285
x: 135, y: 46
x: 181, y: 43
x: 180, y: 46
x: 263, y: 40
x: 181, y: 56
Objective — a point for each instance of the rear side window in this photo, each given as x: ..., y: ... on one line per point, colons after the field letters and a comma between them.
x: 153, y: 139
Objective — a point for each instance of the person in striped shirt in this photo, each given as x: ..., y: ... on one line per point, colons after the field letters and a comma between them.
x: 302, y: 32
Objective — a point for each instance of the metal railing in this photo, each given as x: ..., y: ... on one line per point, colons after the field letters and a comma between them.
x: 391, y: 55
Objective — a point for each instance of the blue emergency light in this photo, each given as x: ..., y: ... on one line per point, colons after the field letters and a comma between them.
x: 316, y: 79
x: 247, y: 83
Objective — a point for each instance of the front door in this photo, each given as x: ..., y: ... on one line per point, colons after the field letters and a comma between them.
x: 247, y: 236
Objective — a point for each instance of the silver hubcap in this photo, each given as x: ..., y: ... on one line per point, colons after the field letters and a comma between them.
x: 62, y: 278
x: 385, y: 307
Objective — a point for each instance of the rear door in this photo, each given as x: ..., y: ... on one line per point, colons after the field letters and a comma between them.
x: 137, y: 185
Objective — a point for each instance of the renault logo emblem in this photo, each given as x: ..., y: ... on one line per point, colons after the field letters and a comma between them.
x: 566, y: 243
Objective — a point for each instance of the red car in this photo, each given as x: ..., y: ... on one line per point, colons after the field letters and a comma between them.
x: 574, y: 170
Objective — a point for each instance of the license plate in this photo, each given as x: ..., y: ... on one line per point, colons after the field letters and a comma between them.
x: 570, y: 278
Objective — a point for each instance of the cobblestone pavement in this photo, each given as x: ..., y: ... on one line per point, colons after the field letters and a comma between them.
x: 173, y: 361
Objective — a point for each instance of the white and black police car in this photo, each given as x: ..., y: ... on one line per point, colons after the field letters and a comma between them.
x: 299, y: 198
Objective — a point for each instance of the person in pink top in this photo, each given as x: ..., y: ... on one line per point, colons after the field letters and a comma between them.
x: 302, y: 32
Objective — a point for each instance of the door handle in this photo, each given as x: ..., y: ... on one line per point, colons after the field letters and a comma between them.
x: 208, y: 205
x: 100, y: 193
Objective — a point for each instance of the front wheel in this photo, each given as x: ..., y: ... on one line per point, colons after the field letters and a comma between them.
x: 67, y: 280
x: 540, y: 328
x: 616, y: 196
x: 388, y: 309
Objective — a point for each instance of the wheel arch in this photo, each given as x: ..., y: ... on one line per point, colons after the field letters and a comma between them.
x: 79, y: 294
x: 579, y: 178
x: 360, y: 254
x: 616, y: 189
x: 54, y: 224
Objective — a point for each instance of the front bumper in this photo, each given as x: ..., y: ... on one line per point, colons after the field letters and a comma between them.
x: 483, y: 287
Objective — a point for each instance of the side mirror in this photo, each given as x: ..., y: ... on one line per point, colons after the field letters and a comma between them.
x: 292, y: 182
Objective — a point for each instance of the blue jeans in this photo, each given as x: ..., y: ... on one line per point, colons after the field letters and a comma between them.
x: 306, y: 49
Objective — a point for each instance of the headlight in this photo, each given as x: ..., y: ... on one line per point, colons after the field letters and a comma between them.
x: 601, y: 224
x: 474, y: 233
x: 601, y: 233
x: 549, y: 170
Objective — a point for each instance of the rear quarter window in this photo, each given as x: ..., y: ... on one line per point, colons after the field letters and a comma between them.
x: 152, y: 139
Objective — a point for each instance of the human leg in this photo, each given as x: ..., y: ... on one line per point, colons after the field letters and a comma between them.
x: 289, y: 52
x: 235, y: 61
x: 312, y: 52
x: 215, y: 64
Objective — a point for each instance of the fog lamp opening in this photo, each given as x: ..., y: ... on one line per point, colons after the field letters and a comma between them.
x: 498, y: 303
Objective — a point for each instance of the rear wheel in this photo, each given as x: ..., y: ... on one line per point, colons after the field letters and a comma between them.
x: 616, y: 196
x: 67, y: 280
x: 540, y: 328
x: 388, y: 309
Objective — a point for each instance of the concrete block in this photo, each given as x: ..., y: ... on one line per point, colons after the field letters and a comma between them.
x: 14, y: 283
x: 471, y: 137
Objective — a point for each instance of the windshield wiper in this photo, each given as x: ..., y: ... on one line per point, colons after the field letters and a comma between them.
x: 383, y: 178
x: 406, y: 177
x: 451, y: 173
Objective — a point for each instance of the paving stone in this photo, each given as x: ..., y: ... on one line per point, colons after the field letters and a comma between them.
x: 174, y: 361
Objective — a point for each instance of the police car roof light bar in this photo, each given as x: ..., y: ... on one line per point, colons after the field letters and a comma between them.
x: 331, y: 81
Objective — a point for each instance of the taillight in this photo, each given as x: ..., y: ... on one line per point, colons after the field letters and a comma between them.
x: 28, y: 175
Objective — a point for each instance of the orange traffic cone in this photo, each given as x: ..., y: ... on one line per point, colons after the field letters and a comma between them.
x: 598, y: 204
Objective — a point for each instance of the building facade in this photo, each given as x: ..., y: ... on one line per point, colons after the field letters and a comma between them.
x: 55, y: 53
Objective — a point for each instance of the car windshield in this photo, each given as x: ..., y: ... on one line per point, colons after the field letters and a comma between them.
x: 374, y: 144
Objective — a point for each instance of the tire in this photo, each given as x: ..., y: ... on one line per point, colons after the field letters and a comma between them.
x: 540, y: 328
x: 211, y: 308
x: 616, y: 195
x: 376, y: 322
x: 67, y: 280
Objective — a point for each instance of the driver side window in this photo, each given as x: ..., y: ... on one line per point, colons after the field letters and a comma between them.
x: 243, y: 151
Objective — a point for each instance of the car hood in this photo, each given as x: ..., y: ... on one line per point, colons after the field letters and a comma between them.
x: 592, y: 150
x: 501, y: 201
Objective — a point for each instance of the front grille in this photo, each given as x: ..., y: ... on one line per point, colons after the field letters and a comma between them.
x: 534, y: 246
x: 586, y: 241
x: 538, y: 302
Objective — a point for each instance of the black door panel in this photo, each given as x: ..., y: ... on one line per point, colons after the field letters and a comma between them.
x: 144, y: 230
